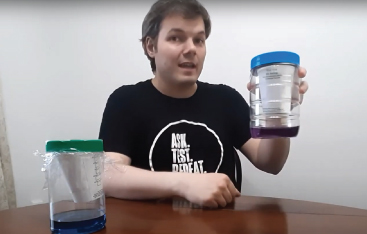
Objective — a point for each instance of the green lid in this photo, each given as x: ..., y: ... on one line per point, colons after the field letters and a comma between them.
x: 75, y: 146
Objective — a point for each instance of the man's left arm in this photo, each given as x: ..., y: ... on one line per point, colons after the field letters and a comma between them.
x: 268, y: 155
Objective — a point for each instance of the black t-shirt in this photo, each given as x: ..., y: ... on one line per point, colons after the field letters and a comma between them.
x: 160, y: 133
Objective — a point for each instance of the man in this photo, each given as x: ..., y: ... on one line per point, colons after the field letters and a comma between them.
x: 173, y: 135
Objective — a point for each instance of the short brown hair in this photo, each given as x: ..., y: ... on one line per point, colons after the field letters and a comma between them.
x: 152, y: 22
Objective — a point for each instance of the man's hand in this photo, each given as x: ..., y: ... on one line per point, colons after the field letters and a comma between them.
x: 209, y: 190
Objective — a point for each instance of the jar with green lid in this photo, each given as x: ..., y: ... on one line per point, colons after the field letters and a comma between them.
x: 74, y: 176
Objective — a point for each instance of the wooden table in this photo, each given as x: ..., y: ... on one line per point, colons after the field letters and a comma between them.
x: 245, y: 215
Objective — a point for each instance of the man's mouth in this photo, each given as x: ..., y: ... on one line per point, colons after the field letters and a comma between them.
x: 187, y: 65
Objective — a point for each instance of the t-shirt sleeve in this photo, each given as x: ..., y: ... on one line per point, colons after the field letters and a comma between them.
x: 117, y: 125
x: 240, y: 117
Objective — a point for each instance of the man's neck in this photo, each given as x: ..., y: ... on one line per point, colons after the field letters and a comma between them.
x: 175, y: 91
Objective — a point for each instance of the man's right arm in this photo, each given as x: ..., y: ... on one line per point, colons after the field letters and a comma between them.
x: 127, y: 182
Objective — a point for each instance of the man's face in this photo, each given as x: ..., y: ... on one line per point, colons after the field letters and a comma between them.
x: 181, y: 49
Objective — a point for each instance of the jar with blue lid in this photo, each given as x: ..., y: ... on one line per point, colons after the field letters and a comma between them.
x: 274, y: 95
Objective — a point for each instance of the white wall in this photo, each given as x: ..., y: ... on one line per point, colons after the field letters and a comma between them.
x: 60, y: 61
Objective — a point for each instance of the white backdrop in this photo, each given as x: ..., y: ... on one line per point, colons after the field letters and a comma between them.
x: 59, y: 62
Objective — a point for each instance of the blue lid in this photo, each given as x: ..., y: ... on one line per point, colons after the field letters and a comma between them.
x: 275, y: 57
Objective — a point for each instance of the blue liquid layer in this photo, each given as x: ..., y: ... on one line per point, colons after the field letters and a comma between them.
x: 78, y: 222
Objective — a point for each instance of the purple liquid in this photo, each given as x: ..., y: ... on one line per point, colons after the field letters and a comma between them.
x: 261, y: 132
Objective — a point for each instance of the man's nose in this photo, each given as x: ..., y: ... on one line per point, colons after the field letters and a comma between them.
x: 190, y: 47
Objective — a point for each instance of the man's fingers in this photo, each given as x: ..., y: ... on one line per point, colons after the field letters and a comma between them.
x: 302, y: 72
x: 232, y: 189
x: 249, y: 86
x: 221, y: 201
x: 227, y: 195
x: 303, y: 87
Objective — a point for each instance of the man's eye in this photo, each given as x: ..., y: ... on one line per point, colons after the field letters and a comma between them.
x: 174, y: 38
x: 200, y: 41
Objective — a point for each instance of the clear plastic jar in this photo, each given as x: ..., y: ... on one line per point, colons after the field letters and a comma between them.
x: 274, y: 95
x: 74, y: 178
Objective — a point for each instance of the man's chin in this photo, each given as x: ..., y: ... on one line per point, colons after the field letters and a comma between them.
x: 186, y: 80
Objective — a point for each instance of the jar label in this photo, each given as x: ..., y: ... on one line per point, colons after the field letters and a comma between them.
x: 276, y: 84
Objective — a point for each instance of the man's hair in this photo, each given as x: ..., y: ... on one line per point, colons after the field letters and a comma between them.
x: 189, y: 9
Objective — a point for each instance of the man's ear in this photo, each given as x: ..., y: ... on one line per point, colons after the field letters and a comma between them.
x: 150, y: 47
